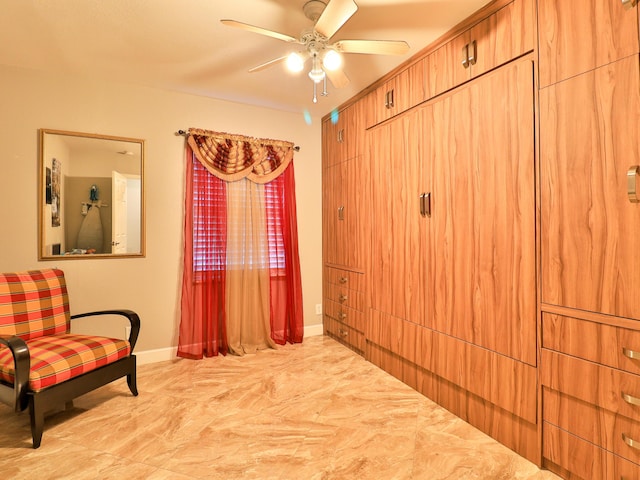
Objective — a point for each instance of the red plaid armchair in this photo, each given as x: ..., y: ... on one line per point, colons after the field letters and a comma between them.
x: 42, y: 364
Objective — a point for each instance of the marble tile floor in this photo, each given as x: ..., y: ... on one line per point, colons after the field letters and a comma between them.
x: 309, y: 411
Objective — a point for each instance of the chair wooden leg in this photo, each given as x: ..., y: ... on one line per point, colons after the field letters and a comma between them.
x: 132, y: 382
x: 36, y: 412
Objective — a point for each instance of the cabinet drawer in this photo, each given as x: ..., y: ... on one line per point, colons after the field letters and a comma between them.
x: 606, y: 387
x: 352, y: 280
x: 612, y: 346
x: 349, y: 316
x: 344, y: 296
x: 615, y: 433
x: 344, y: 334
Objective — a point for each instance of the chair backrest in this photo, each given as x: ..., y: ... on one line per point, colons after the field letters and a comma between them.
x: 34, y: 303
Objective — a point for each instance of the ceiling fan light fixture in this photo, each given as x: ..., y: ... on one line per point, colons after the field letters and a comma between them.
x: 295, y: 62
x: 317, y: 75
x: 332, y: 60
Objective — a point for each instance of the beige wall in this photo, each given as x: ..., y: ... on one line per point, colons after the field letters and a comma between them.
x: 31, y: 100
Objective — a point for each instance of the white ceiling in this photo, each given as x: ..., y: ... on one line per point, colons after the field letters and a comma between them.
x: 181, y: 45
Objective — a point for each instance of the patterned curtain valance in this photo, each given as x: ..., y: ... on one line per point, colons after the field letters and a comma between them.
x: 232, y: 157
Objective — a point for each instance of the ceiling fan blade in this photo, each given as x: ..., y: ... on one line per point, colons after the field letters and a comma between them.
x: 267, y: 64
x: 338, y: 78
x: 335, y: 14
x: 379, y: 47
x: 261, y: 31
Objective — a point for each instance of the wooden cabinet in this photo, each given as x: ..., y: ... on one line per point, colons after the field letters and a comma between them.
x: 344, y: 307
x: 576, y: 38
x: 453, y: 231
x: 589, y: 230
x: 494, y: 41
x: 403, y: 91
x: 591, y: 397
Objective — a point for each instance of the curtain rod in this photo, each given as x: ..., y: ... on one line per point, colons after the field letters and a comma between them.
x: 185, y: 133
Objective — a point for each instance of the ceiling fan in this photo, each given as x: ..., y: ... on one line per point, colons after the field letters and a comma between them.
x: 326, y: 60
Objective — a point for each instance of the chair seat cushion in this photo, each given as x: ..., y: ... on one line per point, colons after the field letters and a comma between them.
x: 56, y: 358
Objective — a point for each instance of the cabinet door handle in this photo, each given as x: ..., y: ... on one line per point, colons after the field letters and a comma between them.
x: 632, y: 184
x: 465, y: 56
x: 388, y: 99
x: 628, y: 4
x: 630, y: 399
x: 630, y: 353
x: 631, y: 442
x: 425, y: 204
x: 341, y: 213
x: 473, y: 53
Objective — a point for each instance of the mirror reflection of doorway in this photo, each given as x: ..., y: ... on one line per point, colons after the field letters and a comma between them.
x: 126, y: 221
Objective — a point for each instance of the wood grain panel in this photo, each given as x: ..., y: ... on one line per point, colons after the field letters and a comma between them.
x: 571, y: 457
x: 505, y: 35
x: 346, y: 315
x: 408, y: 88
x: 592, y: 341
x: 501, y: 37
x: 596, y: 425
x: 590, y: 382
x: 345, y: 296
x: 344, y: 334
x: 483, y: 213
x: 444, y: 69
x: 399, y: 242
x: 510, y: 430
x: 589, y: 240
x: 351, y: 280
x: 575, y: 39
x: 505, y: 382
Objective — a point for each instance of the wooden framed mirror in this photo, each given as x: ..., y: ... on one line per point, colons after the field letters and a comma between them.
x: 91, y: 196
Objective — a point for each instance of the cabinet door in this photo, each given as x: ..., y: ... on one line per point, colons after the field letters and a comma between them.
x: 344, y: 213
x: 503, y: 36
x: 402, y: 92
x: 444, y: 67
x: 399, y: 241
x: 483, y: 213
x: 332, y: 227
x: 576, y: 38
x: 496, y: 40
x: 589, y: 138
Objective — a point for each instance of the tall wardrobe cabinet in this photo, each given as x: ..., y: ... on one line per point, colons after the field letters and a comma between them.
x: 590, y: 242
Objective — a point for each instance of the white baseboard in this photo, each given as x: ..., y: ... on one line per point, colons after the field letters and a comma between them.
x: 169, y: 353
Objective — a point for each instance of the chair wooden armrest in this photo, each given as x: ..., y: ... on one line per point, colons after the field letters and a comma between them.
x: 132, y: 316
x: 22, y: 362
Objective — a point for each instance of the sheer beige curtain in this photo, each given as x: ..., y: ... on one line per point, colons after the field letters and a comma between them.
x: 248, y: 278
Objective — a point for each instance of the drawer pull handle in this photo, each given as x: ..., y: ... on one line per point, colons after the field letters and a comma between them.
x: 343, y: 298
x: 343, y: 279
x: 630, y: 353
x: 343, y: 333
x: 630, y: 399
x: 631, y: 442
x: 632, y: 187
x: 343, y: 315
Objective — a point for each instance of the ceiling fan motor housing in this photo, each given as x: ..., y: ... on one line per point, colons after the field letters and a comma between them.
x: 313, y: 9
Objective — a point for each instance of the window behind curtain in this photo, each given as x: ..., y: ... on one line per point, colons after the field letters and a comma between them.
x: 210, y: 232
